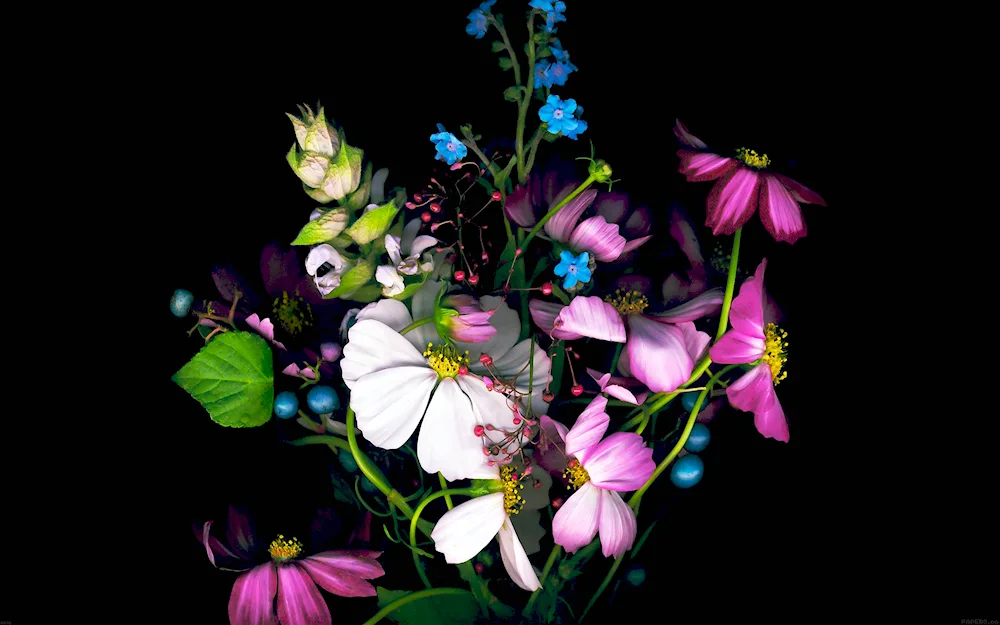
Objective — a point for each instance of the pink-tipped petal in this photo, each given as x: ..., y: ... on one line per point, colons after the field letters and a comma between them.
x: 779, y: 211
x: 732, y: 201
x: 634, y: 244
x: 294, y: 370
x: 593, y: 317
x: 658, y: 354
x: 771, y: 422
x: 617, y: 525
x: 560, y: 226
x: 747, y: 313
x: 544, y: 315
x: 799, y: 191
x: 754, y: 392
x: 735, y: 348
x: 575, y: 523
x: 337, y: 581
x: 705, y: 305
x: 682, y: 230
x: 621, y: 462
x: 299, y: 601
x: 598, y: 237
x: 622, y: 393
x: 360, y: 562
x: 252, y: 599
x: 704, y: 166
x: 588, y: 430
x: 695, y: 340
x: 684, y: 135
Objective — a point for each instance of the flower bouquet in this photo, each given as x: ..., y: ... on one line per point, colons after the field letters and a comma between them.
x: 486, y: 356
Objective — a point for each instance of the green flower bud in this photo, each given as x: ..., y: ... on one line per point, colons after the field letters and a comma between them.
x: 600, y: 170
x: 328, y: 168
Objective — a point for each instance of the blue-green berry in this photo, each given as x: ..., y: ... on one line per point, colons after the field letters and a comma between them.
x: 687, y: 471
x: 180, y: 302
x: 322, y: 399
x: 286, y: 405
x: 688, y: 400
x: 347, y: 461
x: 698, y: 440
x: 636, y: 576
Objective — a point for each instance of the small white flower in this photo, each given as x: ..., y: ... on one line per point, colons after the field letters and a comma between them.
x: 391, y: 276
x: 320, y: 255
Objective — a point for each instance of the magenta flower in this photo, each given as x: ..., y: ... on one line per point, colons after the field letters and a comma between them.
x: 600, y: 470
x: 660, y: 350
x: 743, y: 185
x: 463, y: 319
x: 287, y: 576
x: 755, y: 339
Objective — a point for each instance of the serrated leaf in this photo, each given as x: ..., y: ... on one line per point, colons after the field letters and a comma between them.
x: 373, y: 224
x: 232, y: 378
x: 438, y: 609
x: 359, y: 199
x: 325, y: 227
x: 498, y: 46
x: 506, y: 63
x: 512, y: 94
x: 357, y: 277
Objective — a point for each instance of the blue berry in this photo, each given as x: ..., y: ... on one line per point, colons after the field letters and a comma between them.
x: 688, y: 400
x: 698, y: 440
x: 636, y: 576
x: 286, y: 405
x: 687, y: 471
x: 322, y: 400
x: 347, y: 461
x: 180, y: 302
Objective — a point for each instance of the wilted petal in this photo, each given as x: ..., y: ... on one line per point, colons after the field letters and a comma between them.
x: 389, y: 403
x: 639, y: 224
x: 779, y: 211
x: 682, y: 230
x: 684, y: 136
x: 467, y: 528
x: 597, y: 236
x: 299, y: 601
x: 617, y: 525
x: 799, y: 191
x: 593, y: 317
x: 515, y: 560
x: 252, y: 599
x: 704, y: 166
x: 588, y: 430
x: 544, y: 315
x: 280, y: 268
x: 621, y: 462
x: 374, y: 346
x: 239, y: 530
x: 658, y: 354
x: 560, y: 226
x: 519, y: 207
x: 446, y: 443
x: 732, y: 201
x: 634, y: 244
x: 575, y: 522
x: 705, y: 305
x: 612, y: 205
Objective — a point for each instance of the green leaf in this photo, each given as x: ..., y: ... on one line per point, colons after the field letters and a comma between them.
x: 233, y: 378
x: 353, y: 280
x: 498, y: 46
x: 342, y: 491
x: 558, y: 362
x: 359, y: 199
x: 438, y: 609
x: 373, y: 224
x: 327, y: 226
x: 502, y: 265
x: 486, y: 184
x: 512, y: 94
x: 548, y: 136
x: 367, y: 294
x: 558, y: 292
x: 409, y: 290
x: 504, y: 174
x: 506, y: 63
x: 543, y: 52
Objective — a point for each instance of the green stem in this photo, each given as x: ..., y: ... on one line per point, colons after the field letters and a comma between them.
x: 416, y: 519
x: 413, y: 596
x: 322, y: 439
x: 417, y: 324
x: 522, y: 110
x: 510, y: 50
x: 730, y: 285
x: 614, y: 361
x: 555, y: 209
x: 541, y: 581
x: 600, y: 589
x: 444, y: 487
x: 472, y: 145
x: 534, y: 148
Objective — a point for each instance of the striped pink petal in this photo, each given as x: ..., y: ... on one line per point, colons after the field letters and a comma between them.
x: 732, y: 201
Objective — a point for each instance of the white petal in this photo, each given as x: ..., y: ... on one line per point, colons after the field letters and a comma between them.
x: 410, y: 231
x: 391, y: 312
x: 485, y: 472
x: 378, y: 186
x: 389, y: 403
x: 423, y: 307
x: 447, y: 441
x: 392, y: 246
x: 488, y: 406
x: 420, y: 244
x: 508, y: 328
x: 387, y: 276
x: 467, y: 528
x: 323, y: 254
x: 373, y: 346
x: 515, y: 364
x: 515, y: 560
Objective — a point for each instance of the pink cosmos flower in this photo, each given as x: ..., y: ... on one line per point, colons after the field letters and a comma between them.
x: 660, y: 350
x: 743, y: 185
x: 465, y: 320
x: 600, y: 470
x: 755, y: 339
x: 291, y: 578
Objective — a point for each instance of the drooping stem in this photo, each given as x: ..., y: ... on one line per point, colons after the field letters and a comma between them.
x: 417, y: 324
x: 555, y: 209
x: 727, y: 301
x: 444, y: 486
x: 413, y: 596
x: 522, y: 110
x: 416, y: 519
x: 556, y: 549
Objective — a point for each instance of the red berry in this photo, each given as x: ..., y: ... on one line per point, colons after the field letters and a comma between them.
x: 496, y: 196
x: 435, y: 207
x: 486, y: 360
x: 478, y: 430
x: 557, y: 502
x: 548, y: 396
x: 517, y: 420
x: 410, y: 205
x: 577, y: 390
x: 473, y: 280
x: 418, y: 197
x: 463, y: 370
x: 425, y: 217
x: 518, y: 252
x: 460, y: 275
x: 547, y: 288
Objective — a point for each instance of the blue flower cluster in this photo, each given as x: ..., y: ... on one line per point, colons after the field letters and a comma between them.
x: 449, y: 148
x: 553, y: 10
x: 558, y: 114
x: 550, y: 74
x: 575, y: 268
x: 477, y: 19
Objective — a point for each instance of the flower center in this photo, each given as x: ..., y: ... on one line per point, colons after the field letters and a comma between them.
x: 446, y: 360
x: 292, y: 312
x: 283, y: 549
x: 774, y: 351
x: 751, y: 158
x: 628, y: 302
x: 558, y: 113
x: 512, y: 500
x: 576, y: 474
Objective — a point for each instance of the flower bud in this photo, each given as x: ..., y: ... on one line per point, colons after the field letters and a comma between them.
x: 600, y: 170
x: 328, y: 167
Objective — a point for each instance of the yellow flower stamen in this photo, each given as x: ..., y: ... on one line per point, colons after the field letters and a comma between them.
x: 576, y: 474
x: 628, y: 302
x: 446, y: 360
x: 292, y: 312
x: 512, y: 500
x: 774, y: 351
x: 751, y: 158
x: 284, y: 549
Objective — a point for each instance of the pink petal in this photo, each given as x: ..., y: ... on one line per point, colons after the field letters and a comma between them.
x: 754, y: 392
x: 746, y: 315
x: 684, y: 136
x: 544, y: 315
x: 799, y: 191
x: 519, y: 206
x: 682, y: 230
x: 695, y: 340
x: 561, y: 225
x: 550, y: 451
x: 705, y: 305
x: 575, y: 523
x: 657, y: 354
x: 622, y: 393
x: 779, y: 211
x: 239, y: 531
x: 360, y: 562
x: 590, y: 426
x: 704, y: 166
x: 299, y: 601
x: 771, y: 422
x: 593, y: 317
x: 621, y: 462
x: 732, y: 201
x: 598, y: 237
x: 639, y: 223
x: 252, y: 599
x: 634, y: 244
x: 601, y: 379
x: 465, y: 332
x: 337, y: 581
x: 736, y: 348
x: 617, y: 525
x: 554, y: 430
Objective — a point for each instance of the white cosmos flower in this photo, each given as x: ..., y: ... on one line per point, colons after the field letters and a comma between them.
x: 396, y: 380
x: 391, y: 276
x: 330, y: 279
x: 467, y: 528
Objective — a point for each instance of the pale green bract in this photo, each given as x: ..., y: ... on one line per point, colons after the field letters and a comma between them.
x: 325, y: 227
x: 373, y: 224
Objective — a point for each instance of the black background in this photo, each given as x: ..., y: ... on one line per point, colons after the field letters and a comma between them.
x: 762, y: 534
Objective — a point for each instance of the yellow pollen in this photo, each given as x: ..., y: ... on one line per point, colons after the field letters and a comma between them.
x: 628, y: 302
x: 292, y: 312
x: 445, y: 359
x: 751, y: 158
x: 774, y: 351
x: 512, y: 500
x: 283, y: 549
x: 576, y: 474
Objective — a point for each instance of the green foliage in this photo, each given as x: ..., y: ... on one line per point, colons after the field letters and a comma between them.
x: 438, y: 609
